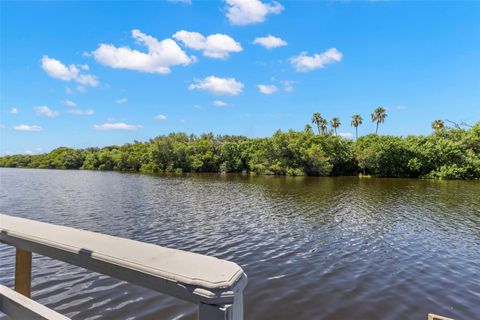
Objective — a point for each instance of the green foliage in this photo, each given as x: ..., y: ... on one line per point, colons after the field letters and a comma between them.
x: 446, y: 154
x: 385, y: 156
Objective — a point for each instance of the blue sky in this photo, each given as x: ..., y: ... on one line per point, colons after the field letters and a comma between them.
x: 99, y: 73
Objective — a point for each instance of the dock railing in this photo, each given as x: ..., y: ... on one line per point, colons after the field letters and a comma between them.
x: 215, y: 285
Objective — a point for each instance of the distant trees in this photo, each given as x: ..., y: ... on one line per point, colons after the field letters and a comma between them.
x: 356, y: 121
x: 378, y: 116
x: 320, y: 122
x: 335, y: 123
x: 449, y: 153
x: 438, y: 125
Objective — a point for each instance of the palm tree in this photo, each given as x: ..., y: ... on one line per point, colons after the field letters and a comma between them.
x: 335, y: 123
x: 356, y: 121
x: 308, y: 129
x: 320, y: 122
x: 438, y: 125
x: 323, y: 125
x: 378, y: 116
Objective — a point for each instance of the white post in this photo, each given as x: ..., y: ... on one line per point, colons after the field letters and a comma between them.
x: 222, y: 312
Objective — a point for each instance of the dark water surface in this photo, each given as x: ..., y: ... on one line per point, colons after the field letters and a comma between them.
x: 313, y: 248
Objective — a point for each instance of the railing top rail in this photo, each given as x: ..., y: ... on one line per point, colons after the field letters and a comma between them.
x: 186, y: 275
x: 17, y: 306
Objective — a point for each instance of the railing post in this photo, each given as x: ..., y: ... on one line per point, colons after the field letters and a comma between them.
x: 222, y: 312
x: 23, y: 272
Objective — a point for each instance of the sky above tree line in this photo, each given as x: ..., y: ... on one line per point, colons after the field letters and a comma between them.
x: 84, y: 74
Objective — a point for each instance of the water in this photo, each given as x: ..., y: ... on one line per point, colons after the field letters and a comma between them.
x: 313, y: 248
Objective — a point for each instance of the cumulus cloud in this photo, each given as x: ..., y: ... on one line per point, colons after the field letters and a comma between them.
x: 218, y: 86
x: 116, y: 126
x: 13, y: 111
x: 69, y: 103
x: 305, y: 63
x: 79, y: 112
x: 243, y: 12
x: 217, y: 46
x: 27, y: 128
x: 121, y: 101
x: 46, y: 111
x: 160, y: 57
x: 267, y: 89
x: 160, y: 117
x: 270, y: 42
x: 56, y: 69
x: 219, y: 103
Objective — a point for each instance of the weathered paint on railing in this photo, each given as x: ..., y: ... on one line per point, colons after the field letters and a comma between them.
x: 215, y: 285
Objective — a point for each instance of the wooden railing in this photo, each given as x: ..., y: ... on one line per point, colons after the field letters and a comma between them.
x: 215, y: 285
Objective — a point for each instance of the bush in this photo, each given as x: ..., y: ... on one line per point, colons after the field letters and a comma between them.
x: 446, y: 154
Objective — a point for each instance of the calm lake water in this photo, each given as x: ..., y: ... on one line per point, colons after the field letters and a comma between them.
x: 313, y: 248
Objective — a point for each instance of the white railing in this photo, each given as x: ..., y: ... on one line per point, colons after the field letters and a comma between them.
x: 215, y: 285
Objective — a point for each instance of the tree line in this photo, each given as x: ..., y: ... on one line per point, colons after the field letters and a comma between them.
x: 378, y: 116
x: 447, y: 153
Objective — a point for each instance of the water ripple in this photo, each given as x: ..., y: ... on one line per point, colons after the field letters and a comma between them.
x: 313, y: 248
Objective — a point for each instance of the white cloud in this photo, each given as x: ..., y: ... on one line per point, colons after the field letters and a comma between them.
x: 197, y: 106
x: 13, y: 111
x: 218, y: 86
x: 219, y: 103
x: 38, y: 149
x: 29, y: 152
x: 121, y: 101
x: 81, y: 89
x: 270, y: 42
x: 346, y: 135
x: 160, y: 117
x: 46, y: 111
x: 288, y: 85
x: 27, y: 128
x: 243, y: 12
x: 304, y: 63
x: 69, y: 103
x: 267, y: 89
x: 79, y: 112
x: 56, y: 69
x: 217, y: 46
x: 116, y: 126
x: 160, y: 57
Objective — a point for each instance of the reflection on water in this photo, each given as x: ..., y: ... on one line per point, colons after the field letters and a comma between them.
x: 313, y: 248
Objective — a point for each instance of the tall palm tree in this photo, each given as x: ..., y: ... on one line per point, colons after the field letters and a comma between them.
x: 438, y: 125
x: 335, y: 123
x: 320, y: 122
x: 323, y: 125
x: 378, y: 116
x: 356, y: 121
